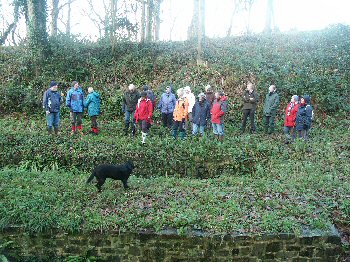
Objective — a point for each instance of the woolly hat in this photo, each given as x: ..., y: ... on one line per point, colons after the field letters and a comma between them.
x: 145, y: 88
x: 296, y: 98
x: 53, y: 83
x: 74, y: 83
x: 143, y: 94
x: 187, y: 88
x: 201, y: 95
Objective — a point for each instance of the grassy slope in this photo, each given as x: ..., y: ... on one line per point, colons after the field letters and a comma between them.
x: 298, y: 186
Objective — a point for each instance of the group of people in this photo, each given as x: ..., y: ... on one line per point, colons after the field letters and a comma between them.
x: 180, y: 113
x: 76, y: 102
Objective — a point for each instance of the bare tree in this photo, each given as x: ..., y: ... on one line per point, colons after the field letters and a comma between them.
x: 201, y: 32
x: 54, y: 17
x: 248, y: 8
x: 143, y: 21
x: 238, y: 5
x: 12, y: 26
x: 149, y: 22
x: 157, y: 21
x: 270, y: 17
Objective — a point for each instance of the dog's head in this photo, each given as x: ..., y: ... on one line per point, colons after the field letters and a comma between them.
x: 130, y: 164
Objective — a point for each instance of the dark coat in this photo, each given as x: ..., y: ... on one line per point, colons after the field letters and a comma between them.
x: 304, y: 115
x: 201, y: 113
x: 130, y: 101
x: 52, y: 101
x: 250, y: 104
x: 272, y: 101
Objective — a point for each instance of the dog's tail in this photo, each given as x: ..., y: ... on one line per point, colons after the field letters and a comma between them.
x: 90, y: 178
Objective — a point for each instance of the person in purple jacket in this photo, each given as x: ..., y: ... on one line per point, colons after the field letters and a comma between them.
x: 167, y: 105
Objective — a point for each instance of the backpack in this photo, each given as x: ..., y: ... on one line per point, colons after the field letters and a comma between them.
x: 312, y: 112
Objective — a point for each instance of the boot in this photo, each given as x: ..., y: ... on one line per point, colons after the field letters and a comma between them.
x: 49, y: 130
x: 182, y: 135
x: 80, y: 129
x: 56, y: 130
x: 73, y: 130
x: 96, y: 131
x: 174, y: 133
x: 221, y: 138
x: 126, y: 128
x: 144, y: 135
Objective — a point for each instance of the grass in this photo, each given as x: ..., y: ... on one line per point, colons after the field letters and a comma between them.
x: 295, y: 186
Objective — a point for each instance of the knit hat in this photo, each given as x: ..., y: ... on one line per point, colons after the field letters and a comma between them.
x: 74, y: 83
x: 187, y: 88
x: 201, y: 95
x: 145, y: 88
x: 53, y: 83
x: 296, y: 98
x: 143, y: 94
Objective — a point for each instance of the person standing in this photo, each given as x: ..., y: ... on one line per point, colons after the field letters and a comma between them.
x: 200, y: 115
x: 217, y: 115
x: 130, y: 100
x: 75, y: 102
x: 166, y: 106
x: 180, y: 114
x: 250, y: 101
x: 143, y: 114
x: 191, y: 100
x: 92, y: 103
x: 289, y: 120
x: 304, y: 118
x: 150, y: 95
x: 272, y: 101
x: 52, y: 106
x: 209, y: 95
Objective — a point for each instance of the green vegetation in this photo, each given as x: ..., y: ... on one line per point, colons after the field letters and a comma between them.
x: 246, y: 184
x: 281, y: 189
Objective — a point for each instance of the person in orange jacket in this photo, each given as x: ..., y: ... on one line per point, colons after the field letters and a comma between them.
x: 180, y: 114
x: 143, y: 114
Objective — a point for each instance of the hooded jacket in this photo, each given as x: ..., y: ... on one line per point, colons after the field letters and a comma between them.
x: 75, y: 100
x: 52, y: 101
x: 144, y: 110
x: 167, y: 103
x: 201, y: 113
x: 291, y: 114
x: 304, y: 115
x: 92, y: 103
x: 181, y: 109
x: 218, y: 110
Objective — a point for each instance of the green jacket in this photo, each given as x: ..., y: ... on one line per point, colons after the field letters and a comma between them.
x: 130, y: 101
x: 272, y: 101
x: 250, y: 104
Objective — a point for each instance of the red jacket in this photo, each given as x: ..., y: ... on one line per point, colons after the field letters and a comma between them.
x: 144, y: 110
x: 218, y: 110
x: 291, y: 114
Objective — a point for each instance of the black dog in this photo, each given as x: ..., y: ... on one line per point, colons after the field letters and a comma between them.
x: 120, y: 172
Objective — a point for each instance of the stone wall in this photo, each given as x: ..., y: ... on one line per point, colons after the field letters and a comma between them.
x: 170, y: 247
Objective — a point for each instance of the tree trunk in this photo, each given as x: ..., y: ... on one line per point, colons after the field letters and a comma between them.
x: 68, y: 27
x: 54, y: 17
x: 269, y: 24
x: 149, y: 21
x: 157, y: 19
x: 12, y: 26
x: 143, y: 21
x: 37, y: 34
x: 192, y: 32
x: 201, y: 32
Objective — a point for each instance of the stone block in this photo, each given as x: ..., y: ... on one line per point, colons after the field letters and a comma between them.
x: 307, y: 252
x: 244, y: 251
x: 335, y: 240
x: 258, y: 249
x: 274, y: 247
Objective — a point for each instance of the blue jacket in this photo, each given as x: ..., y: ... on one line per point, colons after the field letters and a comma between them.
x: 167, y: 103
x: 200, y: 113
x: 92, y: 103
x: 52, y: 101
x: 75, y: 100
x: 304, y: 115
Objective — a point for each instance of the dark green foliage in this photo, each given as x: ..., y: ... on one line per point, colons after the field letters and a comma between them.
x: 315, y: 63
